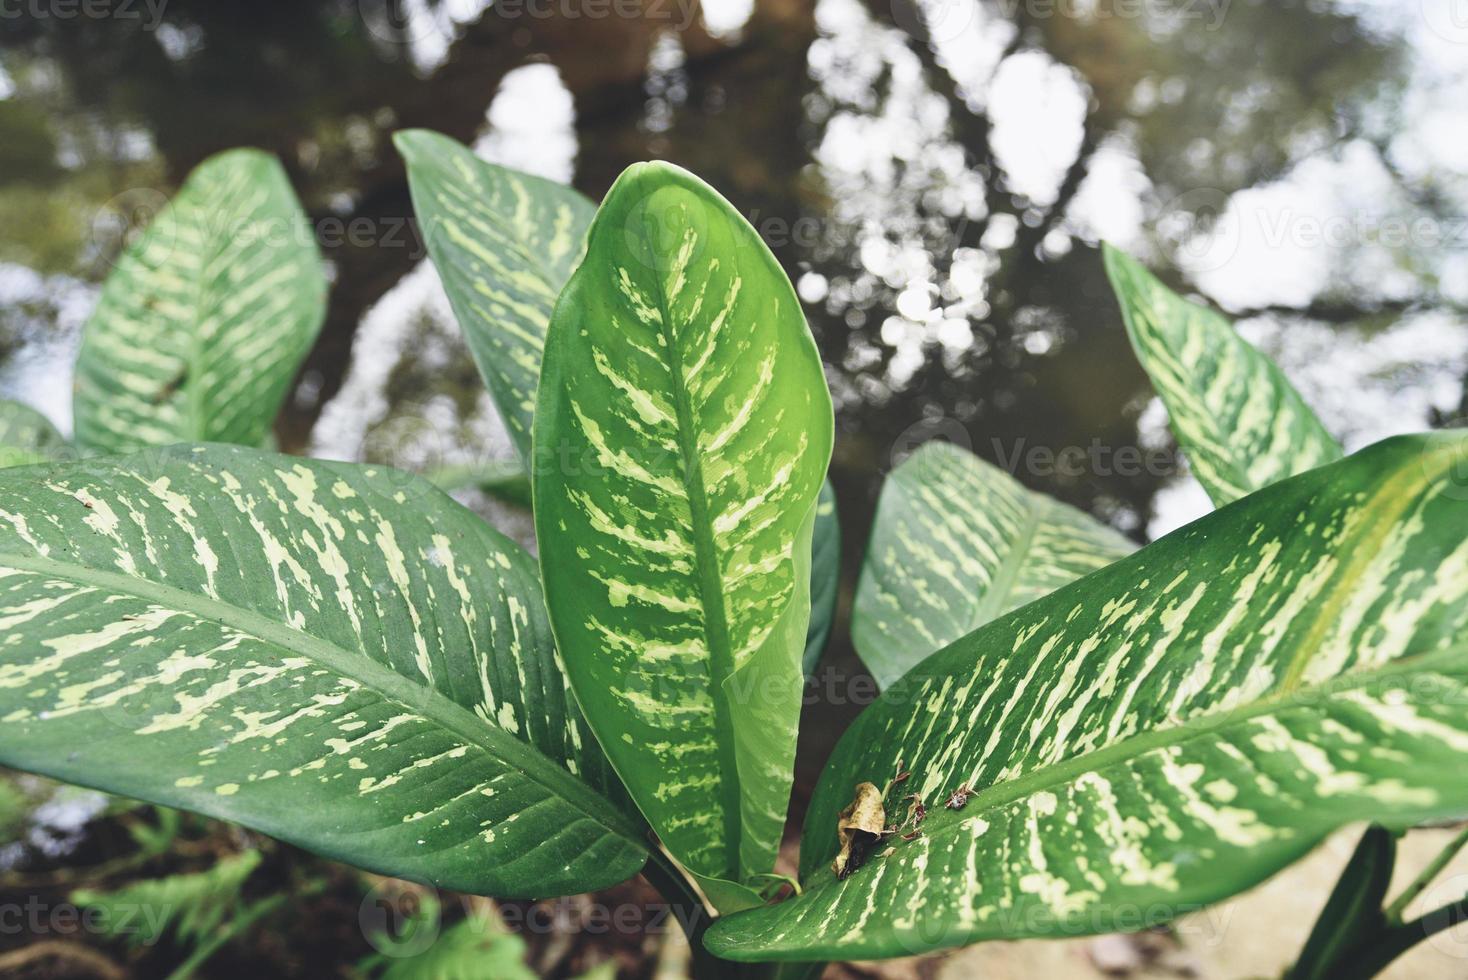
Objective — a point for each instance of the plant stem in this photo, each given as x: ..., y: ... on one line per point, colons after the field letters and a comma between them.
x: 1352, y: 915
x: 691, y: 914
x: 1419, y: 884
x: 695, y: 919
x: 1375, y: 957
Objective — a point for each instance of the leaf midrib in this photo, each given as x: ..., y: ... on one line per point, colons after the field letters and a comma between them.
x: 1401, y: 490
x: 196, y: 194
x: 711, y: 585
x: 1396, y: 490
x: 996, y: 600
x: 357, y: 666
x: 1061, y: 773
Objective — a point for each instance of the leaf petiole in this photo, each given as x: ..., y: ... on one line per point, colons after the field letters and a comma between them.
x: 1394, y: 911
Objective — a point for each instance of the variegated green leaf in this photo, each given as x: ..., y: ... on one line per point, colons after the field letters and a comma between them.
x: 682, y: 432
x: 504, y: 244
x: 1167, y: 731
x: 1243, y: 423
x: 206, y: 317
x: 336, y: 655
x: 825, y: 577
x: 27, y: 436
x: 958, y: 542
x: 507, y: 481
x: 1235, y: 414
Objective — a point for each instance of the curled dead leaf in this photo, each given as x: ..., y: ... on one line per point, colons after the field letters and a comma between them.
x: 860, y: 826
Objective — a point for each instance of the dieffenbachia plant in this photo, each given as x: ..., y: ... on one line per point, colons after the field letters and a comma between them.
x: 206, y: 317
x: 504, y: 244
x: 1167, y: 731
x: 1244, y: 426
x: 958, y: 542
x: 682, y: 433
x: 301, y: 647
x: 201, y: 325
x: 343, y: 657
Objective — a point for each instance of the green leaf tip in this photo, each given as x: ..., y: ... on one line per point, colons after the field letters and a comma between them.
x: 414, y: 144
x: 1236, y: 416
x: 504, y: 243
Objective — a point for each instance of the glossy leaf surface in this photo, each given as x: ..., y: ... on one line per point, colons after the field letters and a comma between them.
x: 507, y: 481
x: 338, y: 656
x: 1168, y: 731
x: 682, y: 432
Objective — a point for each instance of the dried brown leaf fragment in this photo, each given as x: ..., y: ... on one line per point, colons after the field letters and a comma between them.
x: 859, y: 827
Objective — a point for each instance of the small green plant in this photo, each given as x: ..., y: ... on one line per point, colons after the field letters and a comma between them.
x: 202, y: 910
x: 1074, y: 735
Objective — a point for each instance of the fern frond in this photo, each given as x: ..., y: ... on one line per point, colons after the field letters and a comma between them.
x: 191, y: 906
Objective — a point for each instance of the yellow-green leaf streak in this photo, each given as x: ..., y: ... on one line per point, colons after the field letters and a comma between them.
x: 1142, y: 741
x: 958, y: 542
x: 1235, y: 414
x: 682, y: 433
x: 336, y: 655
x: 205, y: 319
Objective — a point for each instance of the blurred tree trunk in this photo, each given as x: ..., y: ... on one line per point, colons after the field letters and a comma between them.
x: 603, y: 63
